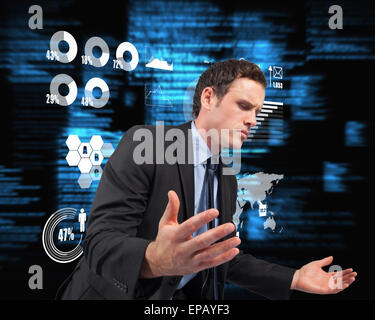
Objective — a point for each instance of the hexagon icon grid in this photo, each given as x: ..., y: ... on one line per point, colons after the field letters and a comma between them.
x: 88, y: 157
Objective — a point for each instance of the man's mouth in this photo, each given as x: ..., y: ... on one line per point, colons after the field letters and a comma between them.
x: 244, y: 134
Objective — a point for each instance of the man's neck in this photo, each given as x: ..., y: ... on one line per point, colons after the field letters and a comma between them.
x: 202, y: 130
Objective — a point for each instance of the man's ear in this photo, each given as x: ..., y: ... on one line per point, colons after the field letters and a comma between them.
x: 207, y: 98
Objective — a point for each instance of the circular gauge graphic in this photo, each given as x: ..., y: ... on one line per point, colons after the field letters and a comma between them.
x: 97, y: 42
x: 56, y: 82
x: 101, y: 84
x: 61, y: 237
x: 121, y: 49
x: 67, y: 37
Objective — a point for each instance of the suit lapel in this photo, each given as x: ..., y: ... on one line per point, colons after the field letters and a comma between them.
x: 186, y: 171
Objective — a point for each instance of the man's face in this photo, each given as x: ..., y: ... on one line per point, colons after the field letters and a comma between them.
x: 237, y: 111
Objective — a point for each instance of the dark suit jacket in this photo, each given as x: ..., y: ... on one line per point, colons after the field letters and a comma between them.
x: 124, y: 219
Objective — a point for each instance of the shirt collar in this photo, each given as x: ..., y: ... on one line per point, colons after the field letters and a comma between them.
x: 201, y: 151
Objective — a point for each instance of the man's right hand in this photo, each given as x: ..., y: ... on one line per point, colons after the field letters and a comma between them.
x: 176, y: 252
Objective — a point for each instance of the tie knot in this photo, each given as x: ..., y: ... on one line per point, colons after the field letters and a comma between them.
x: 212, y: 164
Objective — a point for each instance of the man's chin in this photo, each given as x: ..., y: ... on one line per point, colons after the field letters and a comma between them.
x: 235, y: 145
x: 233, y: 142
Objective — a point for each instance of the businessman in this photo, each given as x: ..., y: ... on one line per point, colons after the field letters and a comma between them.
x: 162, y: 229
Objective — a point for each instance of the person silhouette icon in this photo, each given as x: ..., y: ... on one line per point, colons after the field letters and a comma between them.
x: 82, y: 220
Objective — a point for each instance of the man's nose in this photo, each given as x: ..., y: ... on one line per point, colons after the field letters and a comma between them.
x: 250, y: 120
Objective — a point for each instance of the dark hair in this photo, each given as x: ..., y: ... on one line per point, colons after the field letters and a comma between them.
x: 220, y: 76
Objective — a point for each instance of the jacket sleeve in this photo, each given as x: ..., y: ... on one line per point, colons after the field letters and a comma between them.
x: 267, y: 279
x: 111, y: 248
x: 261, y: 277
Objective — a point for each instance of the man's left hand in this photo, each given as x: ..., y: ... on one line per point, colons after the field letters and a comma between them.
x: 312, y: 278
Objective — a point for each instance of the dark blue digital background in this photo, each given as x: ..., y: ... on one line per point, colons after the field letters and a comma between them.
x: 324, y: 202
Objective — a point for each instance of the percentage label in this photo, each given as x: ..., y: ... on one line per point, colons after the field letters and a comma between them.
x: 52, y: 98
x: 117, y: 64
x: 52, y: 55
x: 87, y: 101
x: 66, y: 234
x: 86, y: 60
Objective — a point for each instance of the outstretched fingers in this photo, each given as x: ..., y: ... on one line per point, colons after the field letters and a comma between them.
x: 193, y: 224
x: 216, y: 249
x: 346, y: 275
x: 209, y: 237
x: 347, y: 278
x: 225, y: 257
